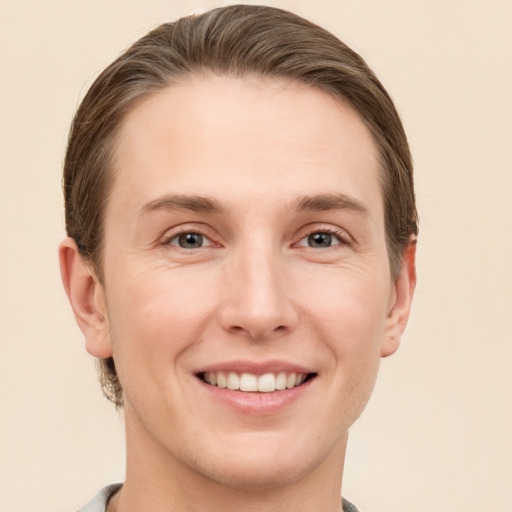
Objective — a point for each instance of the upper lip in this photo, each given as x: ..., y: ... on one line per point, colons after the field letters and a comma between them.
x: 255, y: 367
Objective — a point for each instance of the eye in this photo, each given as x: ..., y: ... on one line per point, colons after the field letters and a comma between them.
x: 190, y: 240
x: 321, y: 240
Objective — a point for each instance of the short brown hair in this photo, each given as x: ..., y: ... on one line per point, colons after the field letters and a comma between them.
x: 238, y: 40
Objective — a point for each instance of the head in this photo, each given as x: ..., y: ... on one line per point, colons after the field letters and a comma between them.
x: 233, y: 50
x: 275, y: 44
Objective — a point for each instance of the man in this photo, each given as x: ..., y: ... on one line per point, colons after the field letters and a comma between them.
x: 242, y: 228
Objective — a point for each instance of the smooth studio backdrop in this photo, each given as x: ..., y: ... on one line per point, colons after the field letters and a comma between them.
x: 437, y: 434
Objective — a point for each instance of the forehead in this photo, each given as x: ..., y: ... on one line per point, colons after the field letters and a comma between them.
x: 241, y: 137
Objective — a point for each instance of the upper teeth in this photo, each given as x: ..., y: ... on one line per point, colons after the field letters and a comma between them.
x: 249, y: 382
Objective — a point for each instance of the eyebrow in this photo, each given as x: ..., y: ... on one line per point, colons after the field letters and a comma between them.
x: 200, y: 204
x: 331, y: 201
x: 184, y: 202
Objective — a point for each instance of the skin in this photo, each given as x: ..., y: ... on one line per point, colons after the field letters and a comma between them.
x: 256, y: 290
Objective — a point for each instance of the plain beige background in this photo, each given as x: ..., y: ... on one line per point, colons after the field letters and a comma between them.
x: 437, y: 434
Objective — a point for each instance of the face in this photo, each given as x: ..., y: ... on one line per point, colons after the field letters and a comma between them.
x: 245, y: 248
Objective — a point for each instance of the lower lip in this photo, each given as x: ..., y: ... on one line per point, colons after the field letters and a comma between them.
x: 254, y: 403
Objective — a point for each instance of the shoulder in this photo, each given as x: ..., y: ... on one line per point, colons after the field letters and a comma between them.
x: 348, y: 507
x: 98, y: 502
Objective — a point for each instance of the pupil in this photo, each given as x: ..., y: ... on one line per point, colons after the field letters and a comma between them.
x: 191, y: 240
x: 320, y: 240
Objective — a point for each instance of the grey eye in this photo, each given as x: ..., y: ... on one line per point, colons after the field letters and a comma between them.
x: 190, y: 240
x: 320, y: 240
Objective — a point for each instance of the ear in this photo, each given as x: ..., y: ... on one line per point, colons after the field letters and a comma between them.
x: 401, y: 302
x: 86, y: 295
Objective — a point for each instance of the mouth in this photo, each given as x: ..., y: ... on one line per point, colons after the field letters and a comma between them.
x: 252, y: 383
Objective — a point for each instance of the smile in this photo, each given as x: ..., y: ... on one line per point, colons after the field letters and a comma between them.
x: 249, y: 382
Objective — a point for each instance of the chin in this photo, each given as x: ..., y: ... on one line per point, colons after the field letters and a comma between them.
x: 263, y: 463
x: 255, y: 476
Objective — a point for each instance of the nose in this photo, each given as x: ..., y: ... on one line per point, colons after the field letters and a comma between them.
x: 258, y: 301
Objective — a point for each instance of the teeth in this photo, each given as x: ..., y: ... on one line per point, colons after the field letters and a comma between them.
x: 290, y: 381
x: 221, y: 380
x: 281, y: 381
x: 249, y: 382
x: 267, y: 383
x: 233, y: 381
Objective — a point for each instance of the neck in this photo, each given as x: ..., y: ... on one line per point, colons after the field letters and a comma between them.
x: 157, y: 481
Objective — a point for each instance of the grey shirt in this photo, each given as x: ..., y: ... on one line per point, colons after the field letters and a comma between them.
x: 98, y: 503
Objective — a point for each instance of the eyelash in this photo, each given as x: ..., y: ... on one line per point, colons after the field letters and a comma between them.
x: 342, y: 237
x: 186, y: 230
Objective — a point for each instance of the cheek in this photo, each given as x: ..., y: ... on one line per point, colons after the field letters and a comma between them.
x: 155, y: 317
x: 354, y: 336
x: 350, y: 317
x: 350, y: 308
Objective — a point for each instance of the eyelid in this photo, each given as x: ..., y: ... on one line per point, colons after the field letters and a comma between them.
x: 174, y: 241
x: 203, y: 229
x: 342, y: 235
x: 200, y: 229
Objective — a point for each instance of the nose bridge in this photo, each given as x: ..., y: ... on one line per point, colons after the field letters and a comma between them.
x: 259, y: 302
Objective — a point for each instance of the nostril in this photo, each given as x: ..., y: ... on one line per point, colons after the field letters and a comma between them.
x: 256, y: 332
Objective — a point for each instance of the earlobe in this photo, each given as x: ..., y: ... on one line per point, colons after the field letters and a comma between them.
x: 86, y: 296
x: 401, y: 307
